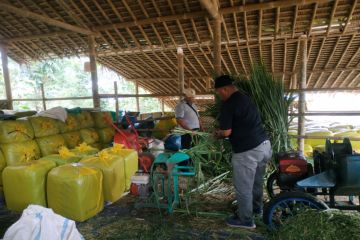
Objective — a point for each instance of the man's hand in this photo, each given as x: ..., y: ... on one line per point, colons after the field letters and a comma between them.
x: 222, y: 133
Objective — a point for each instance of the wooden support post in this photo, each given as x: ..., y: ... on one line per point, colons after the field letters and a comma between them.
x: 217, y: 46
x: 162, y: 106
x: 93, y: 70
x: 208, y: 84
x: 302, y: 100
x: 137, y: 96
x: 43, y: 96
x: 4, y: 60
x: 116, y: 101
x: 211, y: 7
x: 180, y: 56
x: 295, y: 81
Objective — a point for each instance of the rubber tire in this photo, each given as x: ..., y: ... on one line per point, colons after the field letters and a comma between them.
x: 290, y: 196
x: 269, y: 184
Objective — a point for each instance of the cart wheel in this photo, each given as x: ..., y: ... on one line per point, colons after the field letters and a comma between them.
x: 272, y: 186
x: 288, y: 204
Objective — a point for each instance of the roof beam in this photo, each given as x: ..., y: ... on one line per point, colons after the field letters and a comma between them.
x: 331, y: 17
x: 312, y: 19
x: 166, y: 79
x: 269, y: 5
x: 153, y: 20
x: 277, y: 22
x: 346, y: 79
x: 354, y: 79
x: 294, y: 21
x: 350, y: 15
x: 211, y: 7
x: 27, y: 14
x: 333, y: 52
x: 201, y: 14
x: 36, y: 37
x: 247, y: 44
x: 286, y: 73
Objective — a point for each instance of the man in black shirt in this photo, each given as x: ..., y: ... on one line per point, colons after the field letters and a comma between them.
x: 241, y: 122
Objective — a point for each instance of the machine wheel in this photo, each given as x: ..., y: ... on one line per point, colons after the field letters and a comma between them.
x: 272, y: 186
x: 288, y: 204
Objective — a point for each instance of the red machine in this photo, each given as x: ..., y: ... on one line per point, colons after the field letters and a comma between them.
x: 291, y: 167
x: 131, y: 140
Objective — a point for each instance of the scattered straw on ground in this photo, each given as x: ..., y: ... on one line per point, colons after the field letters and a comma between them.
x: 203, y: 221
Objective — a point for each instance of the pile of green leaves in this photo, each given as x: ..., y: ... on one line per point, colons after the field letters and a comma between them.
x: 325, y: 225
x: 211, y: 156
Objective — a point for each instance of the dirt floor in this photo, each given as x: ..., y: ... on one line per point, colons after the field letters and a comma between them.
x: 121, y: 220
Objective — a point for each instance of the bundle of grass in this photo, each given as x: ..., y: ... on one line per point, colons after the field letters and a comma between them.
x: 273, y: 103
x: 210, y: 156
x: 325, y: 225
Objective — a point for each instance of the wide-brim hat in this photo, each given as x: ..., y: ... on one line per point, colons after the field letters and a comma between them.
x: 189, y: 92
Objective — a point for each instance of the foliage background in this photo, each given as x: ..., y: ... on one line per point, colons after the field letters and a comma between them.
x: 66, y: 78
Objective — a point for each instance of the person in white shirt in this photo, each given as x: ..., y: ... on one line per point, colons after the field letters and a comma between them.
x: 187, y: 116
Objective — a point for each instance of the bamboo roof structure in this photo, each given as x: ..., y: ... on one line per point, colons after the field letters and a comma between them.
x: 139, y: 38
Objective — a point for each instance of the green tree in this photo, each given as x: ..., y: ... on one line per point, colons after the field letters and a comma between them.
x: 66, y: 78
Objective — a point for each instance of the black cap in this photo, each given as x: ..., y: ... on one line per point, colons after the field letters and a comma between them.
x: 222, y: 81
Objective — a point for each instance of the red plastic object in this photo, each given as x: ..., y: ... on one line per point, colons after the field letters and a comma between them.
x: 293, y: 166
x: 134, y: 189
x: 129, y: 137
x: 145, y: 161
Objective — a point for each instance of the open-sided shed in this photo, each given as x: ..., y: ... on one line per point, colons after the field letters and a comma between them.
x: 139, y: 39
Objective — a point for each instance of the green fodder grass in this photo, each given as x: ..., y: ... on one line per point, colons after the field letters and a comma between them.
x: 325, y: 225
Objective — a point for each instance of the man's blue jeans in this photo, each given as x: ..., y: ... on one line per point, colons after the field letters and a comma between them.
x: 248, y: 177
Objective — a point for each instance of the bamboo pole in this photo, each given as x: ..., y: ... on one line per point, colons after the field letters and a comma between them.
x: 327, y: 113
x: 49, y: 99
x: 27, y: 14
x: 116, y: 101
x: 211, y: 8
x: 217, y: 46
x: 162, y: 107
x: 324, y: 137
x: 37, y: 36
x: 93, y: 70
x: 180, y: 56
x: 302, y: 100
x: 137, y: 96
x: 4, y: 60
x: 43, y: 96
x: 241, y: 44
x: 269, y: 5
x: 164, y: 95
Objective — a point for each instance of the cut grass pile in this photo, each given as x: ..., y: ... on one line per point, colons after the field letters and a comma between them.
x: 326, y: 225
